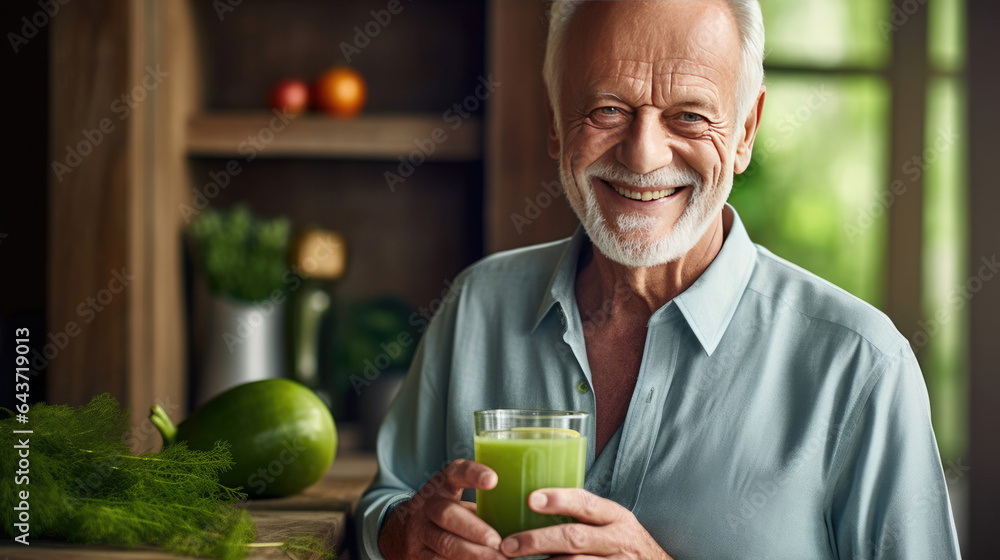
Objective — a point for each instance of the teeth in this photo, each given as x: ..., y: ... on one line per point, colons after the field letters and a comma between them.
x: 646, y: 195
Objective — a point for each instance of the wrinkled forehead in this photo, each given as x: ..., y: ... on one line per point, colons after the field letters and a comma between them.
x: 640, y: 40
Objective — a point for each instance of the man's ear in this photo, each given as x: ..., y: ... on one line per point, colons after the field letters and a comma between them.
x: 744, y: 148
x: 554, y: 141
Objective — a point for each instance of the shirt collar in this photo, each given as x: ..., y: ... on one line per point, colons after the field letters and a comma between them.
x: 562, y: 286
x: 708, y: 305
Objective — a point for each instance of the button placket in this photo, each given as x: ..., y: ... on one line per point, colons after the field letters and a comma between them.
x: 574, y: 351
x: 645, y: 415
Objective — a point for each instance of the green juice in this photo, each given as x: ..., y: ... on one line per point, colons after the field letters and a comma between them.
x: 526, y: 459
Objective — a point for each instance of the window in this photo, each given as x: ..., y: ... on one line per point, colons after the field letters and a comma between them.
x: 819, y: 191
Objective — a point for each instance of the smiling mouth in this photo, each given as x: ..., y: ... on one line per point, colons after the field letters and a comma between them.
x: 643, y: 195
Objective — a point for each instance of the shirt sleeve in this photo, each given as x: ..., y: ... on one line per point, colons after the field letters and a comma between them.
x: 890, y: 497
x: 411, y: 444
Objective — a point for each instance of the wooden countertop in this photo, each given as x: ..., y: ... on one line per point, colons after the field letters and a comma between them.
x: 324, y: 509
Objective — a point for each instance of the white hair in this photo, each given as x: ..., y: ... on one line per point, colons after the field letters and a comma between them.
x: 749, y: 22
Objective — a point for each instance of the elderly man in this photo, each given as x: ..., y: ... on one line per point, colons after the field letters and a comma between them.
x: 742, y: 407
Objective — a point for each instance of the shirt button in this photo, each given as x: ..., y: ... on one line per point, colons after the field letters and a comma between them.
x: 583, y: 387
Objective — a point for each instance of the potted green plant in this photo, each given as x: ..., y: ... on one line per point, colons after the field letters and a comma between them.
x: 239, y: 306
x: 372, y: 348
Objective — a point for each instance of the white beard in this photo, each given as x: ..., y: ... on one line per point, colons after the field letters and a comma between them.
x: 631, y: 242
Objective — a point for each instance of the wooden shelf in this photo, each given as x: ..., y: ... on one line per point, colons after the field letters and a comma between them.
x: 375, y: 137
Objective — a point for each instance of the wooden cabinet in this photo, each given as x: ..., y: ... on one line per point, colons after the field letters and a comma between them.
x: 185, y: 85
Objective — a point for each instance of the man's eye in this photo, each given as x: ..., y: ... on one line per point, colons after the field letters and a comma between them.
x: 691, y: 117
x: 607, y: 113
x: 608, y: 117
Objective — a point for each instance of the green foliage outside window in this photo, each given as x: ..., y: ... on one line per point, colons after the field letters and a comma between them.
x: 945, y: 266
x: 827, y: 33
x: 817, y: 192
x: 810, y: 194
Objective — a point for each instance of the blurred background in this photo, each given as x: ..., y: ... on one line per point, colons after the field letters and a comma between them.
x: 148, y: 177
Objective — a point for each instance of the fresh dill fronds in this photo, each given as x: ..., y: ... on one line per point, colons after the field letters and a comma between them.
x: 87, y: 487
x: 307, y: 548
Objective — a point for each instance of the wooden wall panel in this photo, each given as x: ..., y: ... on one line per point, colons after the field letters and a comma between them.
x: 409, y: 243
x: 984, y: 307
x: 908, y: 75
x: 115, y: 222
x: 426, y: 57
x: 517, y: 163
x: 158, y: 365
x: 88, y: 202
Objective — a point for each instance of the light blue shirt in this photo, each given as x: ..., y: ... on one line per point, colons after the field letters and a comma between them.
x: 774, y: 416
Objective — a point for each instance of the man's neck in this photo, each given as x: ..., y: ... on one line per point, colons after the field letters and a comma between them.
x: 605, y: 284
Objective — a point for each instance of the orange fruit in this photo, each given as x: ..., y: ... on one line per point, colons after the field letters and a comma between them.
x: 341, y: 92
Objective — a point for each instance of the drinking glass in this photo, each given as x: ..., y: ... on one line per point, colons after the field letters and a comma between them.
x: 528, y: 449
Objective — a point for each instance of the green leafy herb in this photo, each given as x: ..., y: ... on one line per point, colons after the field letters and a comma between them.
x: 302, y: 547
x: 242, y: 256
x: 307, y: 548
x: 85, y: 485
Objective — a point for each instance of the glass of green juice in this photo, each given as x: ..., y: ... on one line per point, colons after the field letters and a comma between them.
x: 528, y: 449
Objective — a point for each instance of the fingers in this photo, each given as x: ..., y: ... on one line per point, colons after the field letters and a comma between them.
x: 450, y: 545
x: 462, y: 473
x: 589, y: 536
x: 448, y: 527
x: 568, y: 538
x: 576, y: 503
x: 455, y: 517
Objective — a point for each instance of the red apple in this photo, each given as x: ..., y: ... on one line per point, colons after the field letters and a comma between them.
x: 290, y: 96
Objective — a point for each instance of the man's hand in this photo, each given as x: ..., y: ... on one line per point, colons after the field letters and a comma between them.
x: 437, y: 524
x: 604, y: 529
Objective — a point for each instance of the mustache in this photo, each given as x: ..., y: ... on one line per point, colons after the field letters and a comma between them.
x: 663, y: 177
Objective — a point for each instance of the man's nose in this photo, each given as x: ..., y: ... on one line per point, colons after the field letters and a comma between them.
x: 647, y: 144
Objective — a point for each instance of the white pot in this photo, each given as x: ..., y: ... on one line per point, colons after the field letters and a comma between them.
x: 241, y: 342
